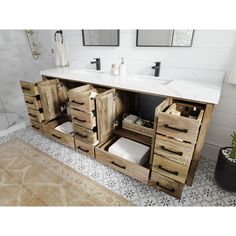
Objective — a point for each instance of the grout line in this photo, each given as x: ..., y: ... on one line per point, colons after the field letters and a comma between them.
x: 4, y: 111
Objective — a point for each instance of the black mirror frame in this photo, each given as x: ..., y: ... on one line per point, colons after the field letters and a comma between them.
x: 117, y: 45
x: 138, y: 45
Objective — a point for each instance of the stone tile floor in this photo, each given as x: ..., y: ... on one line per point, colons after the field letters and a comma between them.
x: 204, y: 191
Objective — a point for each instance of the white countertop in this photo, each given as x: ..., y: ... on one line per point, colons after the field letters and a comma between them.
x: 204, y: 87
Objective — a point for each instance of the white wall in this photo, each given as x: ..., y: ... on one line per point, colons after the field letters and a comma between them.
x: 16, y: 63
x: 211, y: 50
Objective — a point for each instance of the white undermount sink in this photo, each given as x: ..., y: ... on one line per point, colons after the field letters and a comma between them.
x: 161, y: 80
x: 87, y: 71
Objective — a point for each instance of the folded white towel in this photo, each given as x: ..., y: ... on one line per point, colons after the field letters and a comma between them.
x: 131, y: 118
x: 129, y: 150
x: 66, y: 128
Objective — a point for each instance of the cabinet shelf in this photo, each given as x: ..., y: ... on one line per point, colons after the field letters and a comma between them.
x: 133, y: 136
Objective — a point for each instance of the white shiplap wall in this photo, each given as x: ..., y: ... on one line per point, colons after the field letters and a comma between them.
x: 211, y: 50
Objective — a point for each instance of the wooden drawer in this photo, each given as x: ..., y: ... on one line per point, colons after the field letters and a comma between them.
x: 37, y: 126
x: 80, y: 98
x: 35, y: 115
x: 85, y: 135
x: 84, y: 147
x: 29, y: 88
x: 51, y: 132
x: 180, y: 152
x: 170, y: 169
x: 129, y: 168
x: 33, y: 102
x: 166, y: 185
x: 172, y: 124
x: 83, y: 119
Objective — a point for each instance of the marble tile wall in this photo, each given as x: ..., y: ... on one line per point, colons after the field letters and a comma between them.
x: 17, y: 63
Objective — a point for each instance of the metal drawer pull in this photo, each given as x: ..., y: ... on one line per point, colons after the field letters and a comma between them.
x: 35, y: 127
x: 120, y: 166
x: 79, y: 119
x: 172, y: 172
x: 56, y: 136
x: 80, y: 103
x: 82, y: 135
x: 177, y: 129
x: 32, y: 115
x: 29, y: 102
x: 25, y: 88
x: 172, y: 190
x: 84, y: 150
x: 174, y: 152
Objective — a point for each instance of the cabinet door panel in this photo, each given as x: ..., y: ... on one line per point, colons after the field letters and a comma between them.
x: 106, y: 113
x: 50, y: 100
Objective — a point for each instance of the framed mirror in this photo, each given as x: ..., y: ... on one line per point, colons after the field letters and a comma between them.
x: 101, y: 38
x: 164, y: 38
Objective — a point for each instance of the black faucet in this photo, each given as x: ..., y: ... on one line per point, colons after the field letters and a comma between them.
x: 97, y: 62
x: 157, y: 68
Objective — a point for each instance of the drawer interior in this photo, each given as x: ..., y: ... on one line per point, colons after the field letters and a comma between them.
x: 181, y: 120
x: 84, y: 92
x: 53, y: 124
x: 64, y: 138
x: 137, y: 171
x: 105, y: 146
x: 189, y: 110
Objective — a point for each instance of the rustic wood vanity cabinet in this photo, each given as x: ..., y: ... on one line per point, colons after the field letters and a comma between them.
x: 96, y: 112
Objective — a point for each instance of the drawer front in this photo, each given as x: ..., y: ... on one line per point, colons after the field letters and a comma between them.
x: 32, y: 102
x: 80, y: 98
x: 178, y: 127
x: 166, y: 185
x: 83, y: 119
x: 82, y: 101
x: 132, y: 169
x: 84, y: 147
x: 85, y: 135
x: 60, y: 137
x: 35, y: 115
x: 29, y: 88
x: 37, y: 126
x: 174, y: 150
x: 170, y: 169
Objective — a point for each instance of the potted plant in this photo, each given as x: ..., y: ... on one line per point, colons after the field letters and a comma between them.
x: 225, y: 173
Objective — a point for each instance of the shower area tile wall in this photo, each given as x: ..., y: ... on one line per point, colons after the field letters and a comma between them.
x: 17, y: 63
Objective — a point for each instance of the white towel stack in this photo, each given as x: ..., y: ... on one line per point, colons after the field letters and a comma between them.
x: 66, y: 128
x: 131, y: 118
x: 129, y: 150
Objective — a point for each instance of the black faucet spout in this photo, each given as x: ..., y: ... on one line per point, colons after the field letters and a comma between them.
x: 97, y: 62
x: 157, y: 68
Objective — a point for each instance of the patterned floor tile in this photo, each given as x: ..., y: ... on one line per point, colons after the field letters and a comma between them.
x: 204, y: 192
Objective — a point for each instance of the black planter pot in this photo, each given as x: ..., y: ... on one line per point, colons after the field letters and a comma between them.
x: 225, y: 173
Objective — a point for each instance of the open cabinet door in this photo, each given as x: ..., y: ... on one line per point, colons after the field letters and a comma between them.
x: 50, y: 99
x: 106, y: 113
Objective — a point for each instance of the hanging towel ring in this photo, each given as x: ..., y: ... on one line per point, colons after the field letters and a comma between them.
x: 58, y: 32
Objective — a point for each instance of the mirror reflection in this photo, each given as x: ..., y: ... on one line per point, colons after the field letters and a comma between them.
x: 164, y: 38
x: 100, y: 37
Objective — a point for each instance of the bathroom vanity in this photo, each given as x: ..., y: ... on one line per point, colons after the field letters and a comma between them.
x: 96, y: 102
